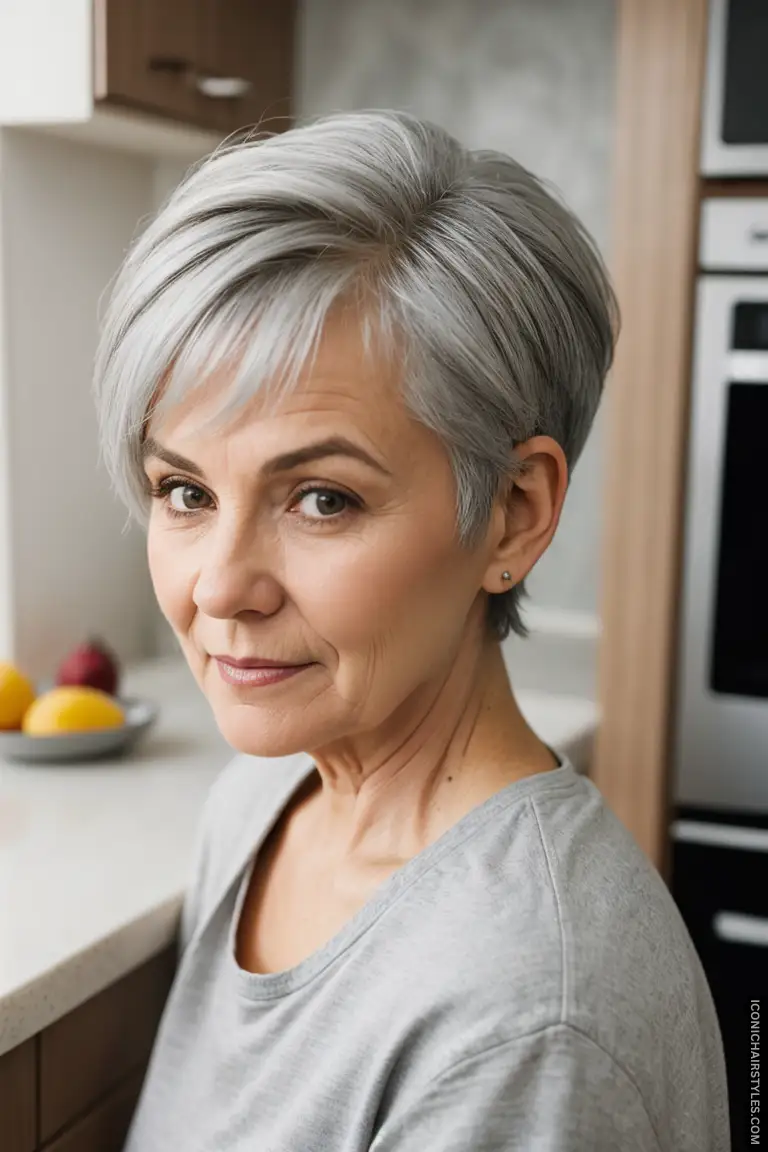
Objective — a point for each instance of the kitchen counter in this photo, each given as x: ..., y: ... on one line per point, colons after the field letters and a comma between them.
x: 94, y: 858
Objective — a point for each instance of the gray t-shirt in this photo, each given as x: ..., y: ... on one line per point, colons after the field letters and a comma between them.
x: 524, y: 984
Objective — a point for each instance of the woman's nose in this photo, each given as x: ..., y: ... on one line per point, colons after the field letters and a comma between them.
x: 236, y: 574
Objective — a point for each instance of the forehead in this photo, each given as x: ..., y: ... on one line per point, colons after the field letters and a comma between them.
x: 346, y: 383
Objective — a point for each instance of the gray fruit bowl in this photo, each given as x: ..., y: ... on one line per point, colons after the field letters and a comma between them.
x: 92, y: 744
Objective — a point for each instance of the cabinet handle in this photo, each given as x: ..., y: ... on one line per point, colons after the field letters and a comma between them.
x: 222, y: 87
x: 176, y: 65
x: 739, y: 928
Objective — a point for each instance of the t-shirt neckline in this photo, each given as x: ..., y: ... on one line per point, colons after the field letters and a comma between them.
x: 271, y: 985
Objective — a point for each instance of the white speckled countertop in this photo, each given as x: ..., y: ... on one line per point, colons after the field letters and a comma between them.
x: 94, y: 857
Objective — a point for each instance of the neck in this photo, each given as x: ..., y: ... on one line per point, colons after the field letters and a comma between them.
x: 381, y: 800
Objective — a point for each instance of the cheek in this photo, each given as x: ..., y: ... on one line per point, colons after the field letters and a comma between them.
x: 402, y: 585
x: 159, y: 568
x: 172, y: 592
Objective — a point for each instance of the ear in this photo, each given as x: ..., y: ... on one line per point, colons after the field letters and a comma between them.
x: 529, y: 511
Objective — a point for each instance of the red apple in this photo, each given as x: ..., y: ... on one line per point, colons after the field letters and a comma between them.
x: 92, y: 664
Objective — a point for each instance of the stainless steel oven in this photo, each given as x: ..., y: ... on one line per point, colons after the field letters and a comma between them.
x: 722, y: 738
x: 719, y: 873
x: 735, y: 110
x: 722, y: 731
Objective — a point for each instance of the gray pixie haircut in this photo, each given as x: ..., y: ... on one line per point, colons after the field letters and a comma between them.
x: 486, y: 287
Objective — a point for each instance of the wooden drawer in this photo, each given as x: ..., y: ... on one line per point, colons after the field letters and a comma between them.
x: 18, y: 1098
x: 105, y: 1128
x: 88, y: 1052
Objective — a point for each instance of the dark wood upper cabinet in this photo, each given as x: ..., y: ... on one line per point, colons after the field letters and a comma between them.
x: 222, y: 65
x: 250, y: 44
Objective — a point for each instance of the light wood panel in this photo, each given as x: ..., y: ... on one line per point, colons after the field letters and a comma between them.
x: 660, y: 70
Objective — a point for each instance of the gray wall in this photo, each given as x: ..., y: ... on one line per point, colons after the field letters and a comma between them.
x: 530, y: 77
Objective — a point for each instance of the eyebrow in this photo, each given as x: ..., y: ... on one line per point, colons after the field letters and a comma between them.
x: 332, y: 446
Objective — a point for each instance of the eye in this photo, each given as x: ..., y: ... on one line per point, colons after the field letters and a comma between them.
x: 333, y: 504
x: 164, y: 490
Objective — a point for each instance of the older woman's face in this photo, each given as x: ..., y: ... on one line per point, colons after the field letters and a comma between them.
x: 362, y: 579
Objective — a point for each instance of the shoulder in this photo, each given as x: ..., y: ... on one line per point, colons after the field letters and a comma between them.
x: 565, y: 947
x: 590, y: 943
x: 242, y: 800
x: 556, y: 916
x: 621, y: 933
x: 584, y: 892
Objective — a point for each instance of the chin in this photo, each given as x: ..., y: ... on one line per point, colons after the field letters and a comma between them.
x: 253, y: 734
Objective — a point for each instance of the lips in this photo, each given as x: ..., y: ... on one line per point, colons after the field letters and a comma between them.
x: 246, y: 663
x: 253, y: 677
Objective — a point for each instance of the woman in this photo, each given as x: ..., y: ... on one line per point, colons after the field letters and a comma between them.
x: 374, y: 358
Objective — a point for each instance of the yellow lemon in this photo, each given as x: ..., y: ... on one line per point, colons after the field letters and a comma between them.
x: 74, y: 708
x: 16, y: 695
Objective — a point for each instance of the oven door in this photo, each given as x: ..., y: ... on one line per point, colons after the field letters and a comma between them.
x: 719, y: 880
x: 735, y: 114
x: 721, y: 740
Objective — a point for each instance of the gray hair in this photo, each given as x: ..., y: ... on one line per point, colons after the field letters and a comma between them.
x: 504, y: 315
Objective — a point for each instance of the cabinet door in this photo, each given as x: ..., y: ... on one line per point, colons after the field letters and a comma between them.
x: 219, y: 64
x: 144, y: 57
x: 105, y: 1128
x: 86, y: 1053
x: 245, y: 62
x: 18, y: 1098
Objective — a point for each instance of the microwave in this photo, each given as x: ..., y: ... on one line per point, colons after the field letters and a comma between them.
x: 734, y: 140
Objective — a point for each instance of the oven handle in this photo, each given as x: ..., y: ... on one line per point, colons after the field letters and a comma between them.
x: 748, y: 366
x: 720, y: 835
x: 740, y: 928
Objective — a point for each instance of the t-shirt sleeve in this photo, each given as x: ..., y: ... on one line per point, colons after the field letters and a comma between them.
x: 197, y: 872
x: 190, y: 908
x: 554, y: 1090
